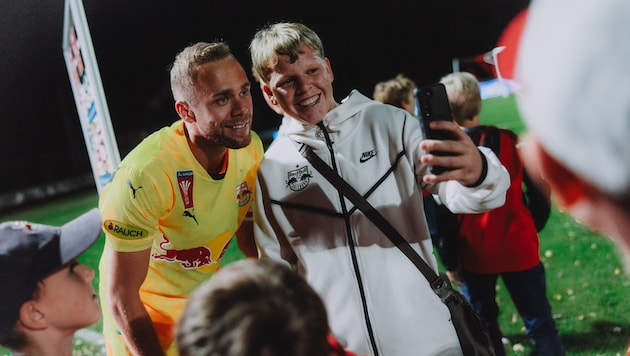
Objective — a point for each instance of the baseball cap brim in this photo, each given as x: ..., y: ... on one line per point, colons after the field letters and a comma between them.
x: 30, y: 252
x: 79, y: 235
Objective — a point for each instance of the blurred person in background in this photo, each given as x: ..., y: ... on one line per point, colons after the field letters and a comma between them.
x: 399, y: 91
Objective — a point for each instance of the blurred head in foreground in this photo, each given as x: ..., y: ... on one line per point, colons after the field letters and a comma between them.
x: 254, y: 307
x: 573, y: 66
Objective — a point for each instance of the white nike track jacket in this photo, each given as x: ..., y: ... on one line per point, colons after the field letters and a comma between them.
x: 378, y: 302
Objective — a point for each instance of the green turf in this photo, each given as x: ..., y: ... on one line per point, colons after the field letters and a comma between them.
x: 501, y: 112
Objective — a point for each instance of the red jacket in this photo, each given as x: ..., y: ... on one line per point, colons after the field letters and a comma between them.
x: 503, y: 239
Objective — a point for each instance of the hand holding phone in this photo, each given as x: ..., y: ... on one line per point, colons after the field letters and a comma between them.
x: 432, y: 105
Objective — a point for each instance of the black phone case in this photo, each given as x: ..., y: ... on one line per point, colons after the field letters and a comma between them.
x: 432, y: 104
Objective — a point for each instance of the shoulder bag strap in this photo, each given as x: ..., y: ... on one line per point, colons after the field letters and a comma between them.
x: 357, y: 199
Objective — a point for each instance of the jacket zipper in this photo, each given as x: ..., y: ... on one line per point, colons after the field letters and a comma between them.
x: 351, y: 244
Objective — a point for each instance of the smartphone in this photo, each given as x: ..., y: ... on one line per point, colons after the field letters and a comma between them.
x: 432, y: 104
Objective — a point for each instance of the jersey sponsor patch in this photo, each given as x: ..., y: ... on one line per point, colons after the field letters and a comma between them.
x: 124, y: 231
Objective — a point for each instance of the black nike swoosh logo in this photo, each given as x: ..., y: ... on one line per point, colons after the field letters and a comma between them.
x: 367, y: 156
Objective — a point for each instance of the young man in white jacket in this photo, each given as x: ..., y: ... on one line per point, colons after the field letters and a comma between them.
x: 378, y: 301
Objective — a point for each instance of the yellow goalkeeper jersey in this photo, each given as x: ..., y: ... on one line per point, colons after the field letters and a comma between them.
x: 161, y: 198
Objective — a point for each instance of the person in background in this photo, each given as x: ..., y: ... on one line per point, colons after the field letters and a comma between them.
x: 46, y: 295
x: 378, y: 302
x: 256, y: 307
x: 177, y: 200
x: 397, y: 91
x: 502, y: 242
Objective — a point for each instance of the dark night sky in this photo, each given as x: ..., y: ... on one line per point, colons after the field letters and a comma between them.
x: 135, y: 41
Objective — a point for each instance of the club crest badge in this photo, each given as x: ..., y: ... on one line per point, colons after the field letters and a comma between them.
x: 243, y: 194
x: 298, y: 179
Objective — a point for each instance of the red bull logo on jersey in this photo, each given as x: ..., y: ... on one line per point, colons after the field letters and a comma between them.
x: 188, y: 258
x: 243, y: 194
x: 185, y: 183
x: 124, y: 231
x: 299, y: 178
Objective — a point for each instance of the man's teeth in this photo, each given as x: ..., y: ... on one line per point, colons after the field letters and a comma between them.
x: 240, y: 126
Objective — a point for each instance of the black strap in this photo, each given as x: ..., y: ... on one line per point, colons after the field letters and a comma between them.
x: 359, y: 201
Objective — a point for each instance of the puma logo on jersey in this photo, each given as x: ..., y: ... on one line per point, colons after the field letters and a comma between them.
x: 133, y: 190
x: 188, y: 214
x: 367, y: 155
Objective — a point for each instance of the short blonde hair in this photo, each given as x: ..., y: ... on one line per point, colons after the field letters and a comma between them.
x: 185, y: 68
x: 464, y: 96
x: 283, y: 38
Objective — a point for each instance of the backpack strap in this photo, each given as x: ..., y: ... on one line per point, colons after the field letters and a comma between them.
x: 536, y: 201
x: 487, y: 136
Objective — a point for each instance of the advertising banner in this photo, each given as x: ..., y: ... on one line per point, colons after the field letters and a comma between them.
x: 89, y: 95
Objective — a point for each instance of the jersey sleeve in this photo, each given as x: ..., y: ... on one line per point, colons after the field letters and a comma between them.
x: 131, y: 206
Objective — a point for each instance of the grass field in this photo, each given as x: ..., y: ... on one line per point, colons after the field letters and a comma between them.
x: 587, y: 285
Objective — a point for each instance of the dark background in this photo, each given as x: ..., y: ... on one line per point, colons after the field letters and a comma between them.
x: 135, y: 41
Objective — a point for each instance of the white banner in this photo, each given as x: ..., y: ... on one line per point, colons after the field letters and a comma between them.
x: 89, y: 95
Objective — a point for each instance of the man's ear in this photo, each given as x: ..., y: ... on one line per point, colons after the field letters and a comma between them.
x: 183, y: 110
x: 31, y: 317
x: 329, y: 69
x: 267, y: 92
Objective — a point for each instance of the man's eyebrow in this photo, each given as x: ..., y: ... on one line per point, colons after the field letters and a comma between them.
x: 224, y: 92
x: 230, y: 91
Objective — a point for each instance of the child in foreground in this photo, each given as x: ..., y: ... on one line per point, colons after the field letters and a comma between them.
x: 47, y: 294
x: 256, y: 307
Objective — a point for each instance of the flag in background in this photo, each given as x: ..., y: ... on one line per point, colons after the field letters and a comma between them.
x: 494, y: 69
